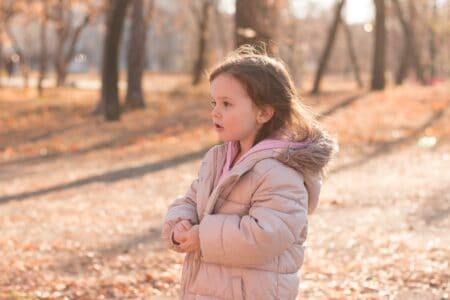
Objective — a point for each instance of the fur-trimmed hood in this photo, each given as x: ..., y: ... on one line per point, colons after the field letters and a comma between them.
x: 311, y: 156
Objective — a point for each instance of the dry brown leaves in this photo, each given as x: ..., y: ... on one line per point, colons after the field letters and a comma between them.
x: 91, y: 239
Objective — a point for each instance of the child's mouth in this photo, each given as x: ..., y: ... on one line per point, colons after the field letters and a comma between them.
x: 218, y: 127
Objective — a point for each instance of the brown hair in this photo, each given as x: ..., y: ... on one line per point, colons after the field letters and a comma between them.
x: 268, y: 82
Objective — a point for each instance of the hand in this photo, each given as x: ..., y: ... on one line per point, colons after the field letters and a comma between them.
x: 190, y: 240
x: 179, y: 228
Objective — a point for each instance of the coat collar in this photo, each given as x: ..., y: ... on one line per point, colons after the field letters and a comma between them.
x: 223, y: 187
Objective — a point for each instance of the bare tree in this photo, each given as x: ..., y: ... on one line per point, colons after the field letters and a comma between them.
x: 432, y: 48
x: 379, y: 53
x: 257, y: 21
x: 109, y: 102
x: 328, y: 47
x: 68, y: 34
x: 220, y: 31
x: 43, y: 39
x: 410, y: 49
x: 292, y: 45
x: 352, y: 54
x: 10, y: 9
x: 1, y: 56
x: 203, y: 32
x: 136, y: 53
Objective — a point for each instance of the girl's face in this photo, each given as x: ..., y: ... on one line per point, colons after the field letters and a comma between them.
x: 234, y: 115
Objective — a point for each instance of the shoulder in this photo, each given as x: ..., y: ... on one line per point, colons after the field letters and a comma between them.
x: 214, y: 152
x: 275, y: 180
x: 271, y: 169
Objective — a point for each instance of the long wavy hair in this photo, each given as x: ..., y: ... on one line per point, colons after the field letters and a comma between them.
x: 268, y: 82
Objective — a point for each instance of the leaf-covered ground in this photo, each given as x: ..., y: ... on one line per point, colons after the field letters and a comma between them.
x: 82, y: 201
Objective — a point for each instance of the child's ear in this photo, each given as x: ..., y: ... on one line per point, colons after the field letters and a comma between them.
x: 265, y: 113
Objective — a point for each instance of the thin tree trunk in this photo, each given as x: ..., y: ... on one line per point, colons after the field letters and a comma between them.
x: 203, y: 28
x: 109, y: 103
x: 257, y: 21
x: 410, y: 41
x: 379, y: 53
x: 62, y: 75
x: 220, y: 29
x: 1, y: 60
x: 22, y: 59
x: 432, y: 41
x: 405, y: 60
x: 292, y: 46
x: 136, y: 57
x: 328, y: 47
x: 62, y: 32
x: 43, y: 56
x: 63, y: 58
x: 352, y: 54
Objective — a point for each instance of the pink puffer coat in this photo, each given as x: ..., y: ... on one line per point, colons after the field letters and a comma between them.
x: 253, y: 222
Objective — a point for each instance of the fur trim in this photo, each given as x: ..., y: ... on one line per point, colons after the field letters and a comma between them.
x: 313, y: 158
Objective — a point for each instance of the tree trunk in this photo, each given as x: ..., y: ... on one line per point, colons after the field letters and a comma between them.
x: 62, y: 32
x: 220, y: 29
x: 136, y: 57
x: 257, y: 21
x: 22, y: 59
x: 328, y: 47
x: 71, y: 49
x: 432, y: 48
x: 405, y: 60
x: 109, y: 104
x: 379, y: 53
x: 293, y: 60
x: 1, y: 59
x: 410, y: 42
x: 203, y: 29
x: 352, y: 55
x: 43, y: 56
x: 64, y: 58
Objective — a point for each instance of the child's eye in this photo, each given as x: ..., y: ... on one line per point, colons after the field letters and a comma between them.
x: 226, y: 104
x: 212, y: 103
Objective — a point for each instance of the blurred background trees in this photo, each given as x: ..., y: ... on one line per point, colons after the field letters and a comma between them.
x: 71, y: 42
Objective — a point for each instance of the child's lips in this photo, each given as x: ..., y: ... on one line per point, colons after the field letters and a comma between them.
x: 217, y: 126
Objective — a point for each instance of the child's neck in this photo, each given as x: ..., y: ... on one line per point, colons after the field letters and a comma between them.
x: 245, y: 146
x: 242, y: 149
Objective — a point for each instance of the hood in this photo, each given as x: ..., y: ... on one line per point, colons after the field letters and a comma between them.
x: 309, y: 157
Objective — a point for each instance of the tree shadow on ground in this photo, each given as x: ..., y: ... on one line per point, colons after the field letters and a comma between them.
x: 189, y: 122
x: 391, y: 145
x: 108, y: 177
x: 435, y: 207
x: 346, y: 102
x: 81, y: 264
x: 33, y: 138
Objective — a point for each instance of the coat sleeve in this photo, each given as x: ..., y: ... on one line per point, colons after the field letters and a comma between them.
x: 277, y: 215
x: 183, y: 208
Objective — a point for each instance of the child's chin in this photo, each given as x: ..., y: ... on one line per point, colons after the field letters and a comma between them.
x: 224, y: 139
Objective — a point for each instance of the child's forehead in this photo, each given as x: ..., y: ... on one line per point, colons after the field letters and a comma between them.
x: 227, y: 84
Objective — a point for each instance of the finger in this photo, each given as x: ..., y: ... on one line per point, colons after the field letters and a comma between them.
x: 183, y: 235
x: 185, y: 222
x: 180, y: 236
x: 186, y: 246
x: 186, y: 225
x: 179, y: 226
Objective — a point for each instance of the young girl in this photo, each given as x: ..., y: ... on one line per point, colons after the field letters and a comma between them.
x: 243, y: 221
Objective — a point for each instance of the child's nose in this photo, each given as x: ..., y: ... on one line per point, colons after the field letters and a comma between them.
x: 215, y: 112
